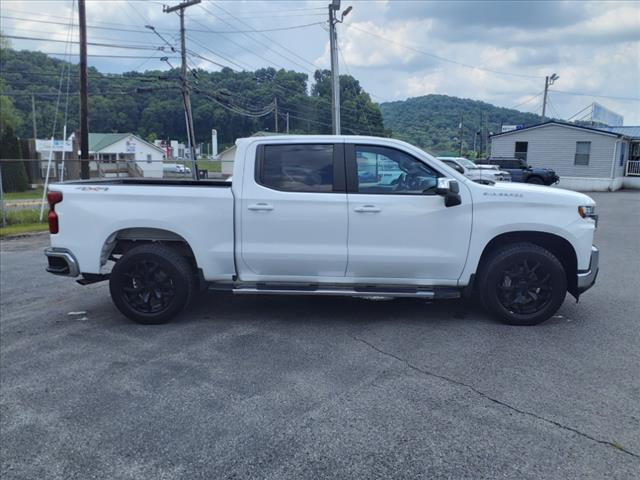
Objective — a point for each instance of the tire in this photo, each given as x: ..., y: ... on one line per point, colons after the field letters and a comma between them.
x: 522, y: 284
x: 151, y: 284
x: 535, y: 181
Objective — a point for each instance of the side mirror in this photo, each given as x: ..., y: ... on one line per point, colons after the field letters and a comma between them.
x: 450, y: 190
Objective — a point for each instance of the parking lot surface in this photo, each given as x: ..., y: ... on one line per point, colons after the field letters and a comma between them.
x: 316, y: 387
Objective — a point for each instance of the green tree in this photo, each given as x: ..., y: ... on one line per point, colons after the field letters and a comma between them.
x: 14, y: 175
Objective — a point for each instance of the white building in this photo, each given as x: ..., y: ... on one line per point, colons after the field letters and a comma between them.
x: 227, y: 157
x: 585, y: 158
x: 124, y: 154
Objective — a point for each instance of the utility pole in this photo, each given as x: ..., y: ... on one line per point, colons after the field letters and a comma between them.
x: 486, y: 134
x: 460, y: 133
x: 33, y: 116
x: 4, y: 210
x: 287, y: 123
x: 84, y: 104
x: 548, y: 81
x: 186, y: 100
x: 334, y: 6
x: 275, y: 102
x: 481, y: 132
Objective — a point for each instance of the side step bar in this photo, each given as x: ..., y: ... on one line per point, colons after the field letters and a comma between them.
x: 389, y: 292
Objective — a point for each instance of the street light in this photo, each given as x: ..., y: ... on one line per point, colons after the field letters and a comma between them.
x: 345, y: 13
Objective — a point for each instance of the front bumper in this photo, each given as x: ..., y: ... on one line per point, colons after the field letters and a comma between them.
x: 587, y: 278
x: 61, y: 262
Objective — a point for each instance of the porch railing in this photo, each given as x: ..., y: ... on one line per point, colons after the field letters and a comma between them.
x: 633, y: 168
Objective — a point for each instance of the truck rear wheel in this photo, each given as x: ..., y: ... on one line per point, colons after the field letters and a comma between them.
x: 522, y: 284
x: 151, y: 283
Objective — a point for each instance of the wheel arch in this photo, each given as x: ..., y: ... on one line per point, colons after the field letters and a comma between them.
x: 122, y: 240
x: 560, y: 247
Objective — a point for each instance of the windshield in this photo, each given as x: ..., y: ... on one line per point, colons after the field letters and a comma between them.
x: 467, y: 163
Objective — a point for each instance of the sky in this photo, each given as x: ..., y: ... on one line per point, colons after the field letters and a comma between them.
x: 495, y: 51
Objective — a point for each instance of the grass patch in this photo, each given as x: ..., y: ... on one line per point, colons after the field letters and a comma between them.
x: 210, y: 165
x: 26, y: 195
x: 19, y: 217
x: 23, y: 228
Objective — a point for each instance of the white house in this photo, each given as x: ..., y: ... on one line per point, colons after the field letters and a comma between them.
x: 227, y: 157
x: 124, y: 154
x: 585, y: 158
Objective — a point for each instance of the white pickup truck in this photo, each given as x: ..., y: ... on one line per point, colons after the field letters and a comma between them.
x: 326, y: 215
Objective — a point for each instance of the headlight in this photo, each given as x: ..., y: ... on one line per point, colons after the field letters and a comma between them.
x: 588, y: 211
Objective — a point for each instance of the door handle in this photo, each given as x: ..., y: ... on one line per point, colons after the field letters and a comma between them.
x: 367, y: 209
x: 260, y: 207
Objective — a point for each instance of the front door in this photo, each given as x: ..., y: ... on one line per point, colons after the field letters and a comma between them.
x: 294, y: 213
x: 399, y: 229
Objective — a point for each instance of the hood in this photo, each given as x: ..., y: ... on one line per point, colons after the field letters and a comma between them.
x: 539, y: 192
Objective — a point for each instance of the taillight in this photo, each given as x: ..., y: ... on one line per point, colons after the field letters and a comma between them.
x: 53, y: 198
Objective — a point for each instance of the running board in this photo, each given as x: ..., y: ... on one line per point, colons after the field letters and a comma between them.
x: 433, y: 293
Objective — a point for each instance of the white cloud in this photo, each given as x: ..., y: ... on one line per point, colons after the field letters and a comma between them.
x: 594, y: 46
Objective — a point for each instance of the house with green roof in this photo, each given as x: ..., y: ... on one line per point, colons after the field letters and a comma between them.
x: 116, y: 154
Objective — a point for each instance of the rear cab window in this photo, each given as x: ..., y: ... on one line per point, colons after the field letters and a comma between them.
x: 314, y: 168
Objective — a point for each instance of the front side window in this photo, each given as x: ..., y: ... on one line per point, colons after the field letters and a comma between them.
x: 297, y: 168
x: 391, y: 171
x: 583, y: 151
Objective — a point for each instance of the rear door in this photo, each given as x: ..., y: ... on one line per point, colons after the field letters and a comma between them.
x: 399, y: 229
x: 294, y: 213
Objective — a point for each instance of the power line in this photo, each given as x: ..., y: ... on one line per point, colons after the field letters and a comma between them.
x: 95, y: 44
x: 137, y: 30
x: 261, y: 44
x: 235, y: 109
x: 268, y: 38
x: 57, y: 32
x: 579, y: 112
x: 233, y: 62
x: 633, y: 99
x: 526, y: 101
x: 239, y: 45
x: 108, y: 55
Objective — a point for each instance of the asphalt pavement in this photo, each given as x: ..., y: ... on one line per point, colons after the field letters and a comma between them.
x: 315, y: 387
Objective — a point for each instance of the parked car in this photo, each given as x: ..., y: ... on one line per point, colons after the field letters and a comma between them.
x: 521, y: 172
x: 474, y: 172
x: 298, y: 219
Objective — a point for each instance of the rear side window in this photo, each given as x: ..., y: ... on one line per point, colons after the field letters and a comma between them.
x: 297, y: 168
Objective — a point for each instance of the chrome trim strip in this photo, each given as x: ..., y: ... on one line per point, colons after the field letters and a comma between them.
x: 340, y: 292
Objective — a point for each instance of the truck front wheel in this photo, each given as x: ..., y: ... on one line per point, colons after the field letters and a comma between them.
x: 522, y: 284
x: 151, y: 283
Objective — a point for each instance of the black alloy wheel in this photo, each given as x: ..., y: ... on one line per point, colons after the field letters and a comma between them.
x: 151, y: 289
x: 522, y: 284
x: 152, y: 283
x: 525, y: 287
